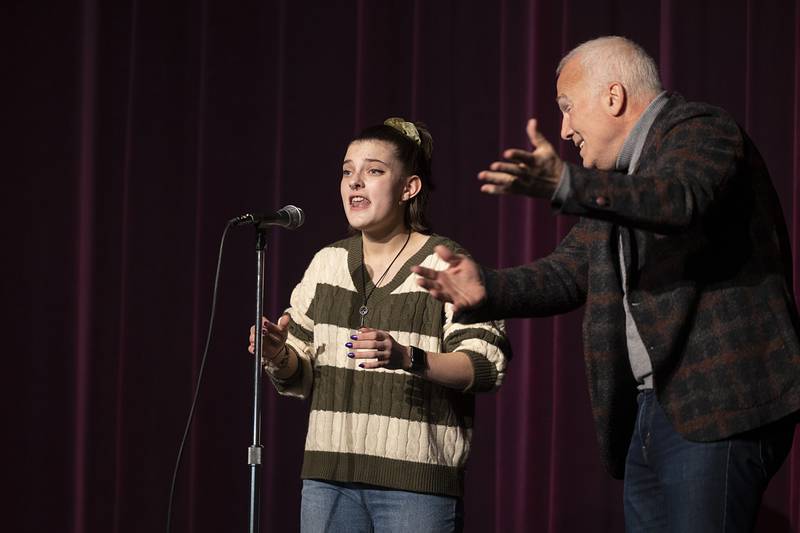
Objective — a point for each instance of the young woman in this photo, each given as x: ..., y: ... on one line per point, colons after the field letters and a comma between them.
x: 393, y: 378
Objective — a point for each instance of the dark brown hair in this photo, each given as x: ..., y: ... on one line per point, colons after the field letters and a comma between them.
x: 416, y: 159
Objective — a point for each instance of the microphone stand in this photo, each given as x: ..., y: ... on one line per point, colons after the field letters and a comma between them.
x: 254, y: 451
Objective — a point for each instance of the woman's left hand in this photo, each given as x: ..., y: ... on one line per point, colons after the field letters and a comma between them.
x: 384, y: 351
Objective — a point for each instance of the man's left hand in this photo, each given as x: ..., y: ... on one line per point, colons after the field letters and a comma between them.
x: 535, y: 173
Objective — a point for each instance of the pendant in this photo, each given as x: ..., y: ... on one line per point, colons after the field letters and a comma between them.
x: 363, y: 310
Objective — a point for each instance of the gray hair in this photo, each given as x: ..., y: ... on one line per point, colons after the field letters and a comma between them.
x: 613, y: 58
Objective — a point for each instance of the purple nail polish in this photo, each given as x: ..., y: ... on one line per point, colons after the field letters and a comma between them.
x: 350, y: 354
x: 360, y: 365
x: 349, y: 344
x: 354, y: 337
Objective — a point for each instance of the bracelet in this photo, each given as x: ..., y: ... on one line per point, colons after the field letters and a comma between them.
x: 282, y: 358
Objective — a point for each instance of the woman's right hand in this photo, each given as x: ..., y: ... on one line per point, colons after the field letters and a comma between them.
x: 274, y: 338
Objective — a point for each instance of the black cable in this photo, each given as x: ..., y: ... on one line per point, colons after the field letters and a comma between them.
x: 199, y: 377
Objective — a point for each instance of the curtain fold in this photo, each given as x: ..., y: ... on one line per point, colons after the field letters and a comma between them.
x: 138, y: 128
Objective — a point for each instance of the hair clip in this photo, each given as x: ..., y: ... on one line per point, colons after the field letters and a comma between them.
x: 406, y: 128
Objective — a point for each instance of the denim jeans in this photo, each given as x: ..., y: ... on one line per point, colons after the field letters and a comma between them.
x: 331, y: 507
x: 673, y: 484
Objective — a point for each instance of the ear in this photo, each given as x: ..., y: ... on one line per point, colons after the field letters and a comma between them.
x: 615, y: 99
x: 412, y: 187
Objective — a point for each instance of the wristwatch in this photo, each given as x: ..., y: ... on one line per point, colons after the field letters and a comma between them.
x: 419, y: 359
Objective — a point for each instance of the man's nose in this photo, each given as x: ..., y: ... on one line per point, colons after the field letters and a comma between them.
x: 566, y: 129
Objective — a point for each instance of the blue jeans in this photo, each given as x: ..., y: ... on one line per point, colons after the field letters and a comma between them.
x: 331, y: 507
x: 673, y: 484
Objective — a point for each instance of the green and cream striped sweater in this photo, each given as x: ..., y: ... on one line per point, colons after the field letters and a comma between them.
x: 384, y: 427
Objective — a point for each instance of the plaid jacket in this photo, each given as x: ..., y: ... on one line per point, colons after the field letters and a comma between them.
x: 709, y: 272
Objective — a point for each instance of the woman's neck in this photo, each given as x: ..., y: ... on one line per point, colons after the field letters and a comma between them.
x: 379, y: 246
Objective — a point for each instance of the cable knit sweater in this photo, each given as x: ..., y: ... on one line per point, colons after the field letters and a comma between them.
x: 382, y: 427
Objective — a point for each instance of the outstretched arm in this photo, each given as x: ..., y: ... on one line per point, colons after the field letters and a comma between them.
x: 551, y: 285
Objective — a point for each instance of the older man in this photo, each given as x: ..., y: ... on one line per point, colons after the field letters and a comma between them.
x: 681, y: 257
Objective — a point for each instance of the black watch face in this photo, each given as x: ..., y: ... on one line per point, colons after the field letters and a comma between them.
x: 417, y: 358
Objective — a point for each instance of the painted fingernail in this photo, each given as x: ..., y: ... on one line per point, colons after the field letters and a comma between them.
x: 351, y: 354
x: 349, y: 344
x: 354, y: 337
x: 360, y: 365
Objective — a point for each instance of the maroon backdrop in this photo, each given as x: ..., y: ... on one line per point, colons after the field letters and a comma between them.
x: 136, y: 128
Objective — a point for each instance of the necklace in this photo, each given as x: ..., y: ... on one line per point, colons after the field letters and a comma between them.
x: 363, y: 310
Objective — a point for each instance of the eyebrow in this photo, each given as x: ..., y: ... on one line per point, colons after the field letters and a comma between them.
x: 367, y: 159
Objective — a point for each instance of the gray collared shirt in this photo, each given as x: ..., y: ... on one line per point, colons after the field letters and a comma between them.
x: 627, y: 161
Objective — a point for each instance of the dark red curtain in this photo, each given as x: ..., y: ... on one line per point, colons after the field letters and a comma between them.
x: 136, y: 128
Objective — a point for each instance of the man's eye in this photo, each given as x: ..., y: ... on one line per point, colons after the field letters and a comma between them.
x: 346, y: 172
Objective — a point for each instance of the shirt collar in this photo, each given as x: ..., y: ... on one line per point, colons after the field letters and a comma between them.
x: 628, y: 157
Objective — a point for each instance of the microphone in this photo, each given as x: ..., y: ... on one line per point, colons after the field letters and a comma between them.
x: 288, y: 216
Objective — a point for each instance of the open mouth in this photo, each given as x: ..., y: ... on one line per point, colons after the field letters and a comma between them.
x: 358, y: 201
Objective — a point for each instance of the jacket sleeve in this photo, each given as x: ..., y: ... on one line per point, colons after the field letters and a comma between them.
x: 551, y: 285
x: 684, y: 173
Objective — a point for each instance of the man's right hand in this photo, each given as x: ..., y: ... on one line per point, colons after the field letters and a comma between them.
x: 460, y: 284
x: 534, y: 173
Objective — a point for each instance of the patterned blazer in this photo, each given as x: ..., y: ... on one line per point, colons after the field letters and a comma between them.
x: 709, y: 272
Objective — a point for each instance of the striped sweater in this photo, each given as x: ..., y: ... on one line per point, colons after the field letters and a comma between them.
x: 384, y: 427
